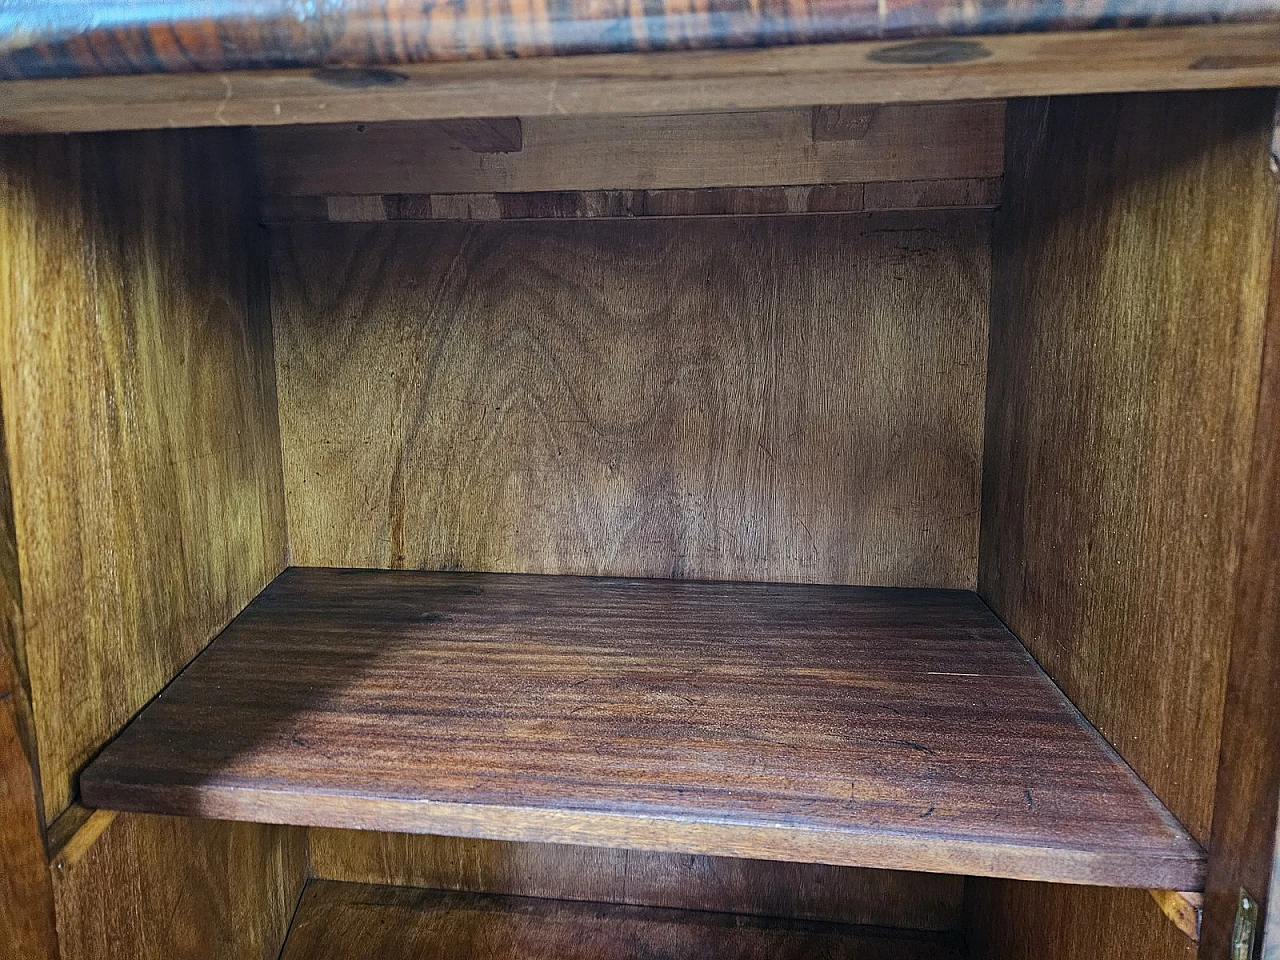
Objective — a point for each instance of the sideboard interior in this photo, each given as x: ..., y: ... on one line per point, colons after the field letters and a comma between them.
x: 787, y: 533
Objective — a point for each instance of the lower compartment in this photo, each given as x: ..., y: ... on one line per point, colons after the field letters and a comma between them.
x: 345, y: 921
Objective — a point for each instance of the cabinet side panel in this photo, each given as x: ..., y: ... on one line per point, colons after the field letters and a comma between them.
x: 1244, y: 850
x: 1129, y: 294
x: 148, y: 509
x: 790, y: 399
x: 172, y: 888
x: 1130, y: 270
x: 139, y: 411
x: 1011, y: 920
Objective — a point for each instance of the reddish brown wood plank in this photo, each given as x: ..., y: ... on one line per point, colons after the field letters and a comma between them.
x: 846, y: 725
x: 41, y: 39
x: 346, y: 921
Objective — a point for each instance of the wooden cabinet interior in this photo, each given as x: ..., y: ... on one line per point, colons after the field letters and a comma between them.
x: 1014, y: 349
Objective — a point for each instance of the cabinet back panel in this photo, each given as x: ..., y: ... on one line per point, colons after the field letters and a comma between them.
x: 1016, y: 920
x: 792, y: 399
x: 812, y: 891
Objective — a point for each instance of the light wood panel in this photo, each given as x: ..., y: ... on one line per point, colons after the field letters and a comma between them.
x: 928, y: 141
x: 346, y: 921
x: 1041, y: 921
x: 1184, y: 909
x: 140, y: 419
x: 883, y: 898
x: 1244, y: 841
x: 628, y: 204
x: 783, y: 399
x: 1008, y: 65
x: 901, y: 729
x: 132, y: 887
x: 1131, y: 267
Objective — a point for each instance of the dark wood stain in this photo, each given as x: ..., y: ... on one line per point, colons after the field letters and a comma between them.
x: 780, y: 722
x: 969, y: 193
x: 931, y: 52
x: 75, y: 38
x: 350, y: 921
x: 359, y: 78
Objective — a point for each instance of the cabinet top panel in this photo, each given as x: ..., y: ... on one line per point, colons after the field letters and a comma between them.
x: 73, y: 38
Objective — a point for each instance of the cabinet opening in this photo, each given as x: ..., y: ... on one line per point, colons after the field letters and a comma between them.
x: 852, y: 492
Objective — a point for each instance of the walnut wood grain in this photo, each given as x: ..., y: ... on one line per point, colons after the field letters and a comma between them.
x: 139, y: 411
x: 843, y: 725
x: 805, y: 891
x: 140, y: 426
x: 349, y: 921
x: 1008, y: 65
x: 27, y: 929
x: 713, y: 399
x: 40, y: 39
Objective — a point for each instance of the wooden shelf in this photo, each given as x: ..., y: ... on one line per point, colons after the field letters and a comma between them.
x: 352, y: 921
x: 876, y: 727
